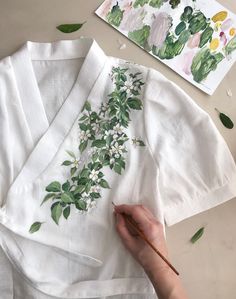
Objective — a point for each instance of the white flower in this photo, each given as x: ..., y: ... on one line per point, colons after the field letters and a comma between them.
x: 84, y: 135
x: 128, y: 86
x: 118, y: 129
x: 95, y: 127
x: 94, y: 175
x: 104, y: 107
x: 95, y: 189
x: 117, y: 149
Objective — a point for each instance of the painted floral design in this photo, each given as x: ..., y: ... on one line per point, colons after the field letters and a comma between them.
x: 103, y: 134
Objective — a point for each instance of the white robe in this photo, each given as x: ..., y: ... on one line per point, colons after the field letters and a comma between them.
x: 176, y: 163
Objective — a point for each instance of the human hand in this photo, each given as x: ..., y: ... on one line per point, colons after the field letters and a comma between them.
x: 152, y: 229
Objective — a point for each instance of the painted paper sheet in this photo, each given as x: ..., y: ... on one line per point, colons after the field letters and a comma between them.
x: 197, y: 39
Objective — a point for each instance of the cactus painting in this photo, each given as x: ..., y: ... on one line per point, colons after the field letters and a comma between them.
x: 196, y: 39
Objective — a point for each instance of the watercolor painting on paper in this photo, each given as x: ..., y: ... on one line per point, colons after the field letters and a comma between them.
x: 195, y: 38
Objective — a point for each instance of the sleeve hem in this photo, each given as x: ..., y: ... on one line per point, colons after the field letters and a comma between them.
x: 180, y: 211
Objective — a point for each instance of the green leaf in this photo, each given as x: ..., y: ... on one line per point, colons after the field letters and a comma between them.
x: 66, y: 186
x: 47, y: 197
x: 197, y: 235
x: 99, y: 143
x: 86, y: 106
x: 54, y: 187
x: 80, y: 205
x: 88, y: 187
x: 83, y: 146
x: 71, y: 154
x: 83, y: 117
x: 135, y: 103
x: 72, y: 171
x: 117, y: 168
x: 94, y: 157
x: 66, y: 163
x: 226, y: 121
x: 79, y: 189
x: 66, y: 212
x: 85, y: 173
x: 56, y: 212
x: 67, y: 197
x: 141, y: 143
x: 35, y: 227
x: 83, y: 127
x: 104, y: 184
x: 68, y: 28
x: 95, y: 195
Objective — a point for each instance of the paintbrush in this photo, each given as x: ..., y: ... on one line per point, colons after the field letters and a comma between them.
x: 133, y: 224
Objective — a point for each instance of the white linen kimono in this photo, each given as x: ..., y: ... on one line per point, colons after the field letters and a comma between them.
x: 79, y: 130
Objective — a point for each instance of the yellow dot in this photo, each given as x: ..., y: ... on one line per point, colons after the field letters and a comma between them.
x: 214, y: 44
x: 232, y: 31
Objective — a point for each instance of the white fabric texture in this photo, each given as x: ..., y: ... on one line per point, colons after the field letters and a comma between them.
x: 176, y: 163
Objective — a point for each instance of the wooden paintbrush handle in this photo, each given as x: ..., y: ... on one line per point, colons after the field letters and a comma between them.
x: 142, y: 235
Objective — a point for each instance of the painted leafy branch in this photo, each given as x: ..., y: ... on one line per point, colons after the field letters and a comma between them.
x: 104, y: 133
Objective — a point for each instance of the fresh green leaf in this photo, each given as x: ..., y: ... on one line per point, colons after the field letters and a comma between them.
x: 35, y: 227
x: 72, y: 171
x: 226, y: 121
x: 56, y: 212
x: 88, y: 187
x: 141, y: 143
x: 80, y: 205
x: 79, y: 189
x: 66, y: 212
x: 54, y: 187
x: 47, y: 197
x: 117, y: 168
x: 197, y: 235
x: 66, y: 186
x: 66, y: 163
x: 83, y: 146
x: 104, y: 184
x: 67, y: 197
x: 68, y: 28
x: 99, y: 143
x: 135, y: 103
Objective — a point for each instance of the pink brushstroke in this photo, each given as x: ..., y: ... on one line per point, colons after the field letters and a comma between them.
x: 227, y: 24
x: 223, y: 38
x: 194, y: 41
x: 106, y: 8
x: 187, y: 62
x: 133, y: 20
x: 159, y: 29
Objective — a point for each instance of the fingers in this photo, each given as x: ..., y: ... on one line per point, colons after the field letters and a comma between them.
x: 139, y: 213
x: 122, y: 228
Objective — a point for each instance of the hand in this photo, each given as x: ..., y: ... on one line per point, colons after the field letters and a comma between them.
x: 152, y: 229
x: 166, y: 283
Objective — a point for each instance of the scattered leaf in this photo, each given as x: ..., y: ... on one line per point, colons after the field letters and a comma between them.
x: 68, y: 28
x: 66, y: 186
x: 226, y: 121
x: 83, y: 146
x: 80, y: 205
x: 197, y: 235
x: 35, y: 227
x: 72, y: 171
x: 135, y: 103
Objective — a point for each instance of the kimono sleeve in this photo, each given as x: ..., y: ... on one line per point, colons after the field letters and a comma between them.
x: 15, y: 138
x: 196, y: 169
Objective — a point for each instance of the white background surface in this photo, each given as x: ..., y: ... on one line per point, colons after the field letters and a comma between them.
x: 208, y: 268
